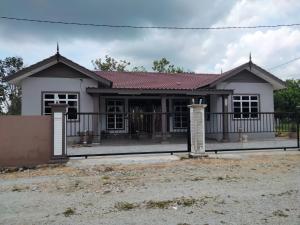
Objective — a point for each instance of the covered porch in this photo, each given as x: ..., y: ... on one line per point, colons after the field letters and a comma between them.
x: 150, y: 115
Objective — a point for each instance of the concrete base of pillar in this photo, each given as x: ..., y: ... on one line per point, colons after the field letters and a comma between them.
x: 197, y: 155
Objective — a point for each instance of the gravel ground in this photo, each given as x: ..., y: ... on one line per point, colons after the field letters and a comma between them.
x: 257, y: 189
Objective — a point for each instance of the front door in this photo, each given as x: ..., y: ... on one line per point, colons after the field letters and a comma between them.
x: 143, y: 115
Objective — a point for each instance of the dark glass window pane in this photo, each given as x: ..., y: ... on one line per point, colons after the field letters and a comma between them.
x: 253, y: 104
x: 237, y: 104
x: 119, y: 125
x: 254, y: 110
x: 245, y: 115
x: 62, y: 96
x: 253, y: 97
x: 48, y: 102
x: 236, y: 110
x: 72, y: 103
x: 236, y: 97
x: 245, y: 97
x: 237, y: 115
x: 245, y: 110
x: 49, y: 96
x: 72, y: 113
x: 245, y: 104
x: 48, y: 110
x: 71, y: 96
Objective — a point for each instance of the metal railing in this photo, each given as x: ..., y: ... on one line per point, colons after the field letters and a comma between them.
x: 260, y: 122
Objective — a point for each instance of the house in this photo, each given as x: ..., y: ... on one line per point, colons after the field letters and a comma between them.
x: 145, y: 102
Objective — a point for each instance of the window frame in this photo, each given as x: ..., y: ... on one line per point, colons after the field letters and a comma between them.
x: 114, y: 114
x: 181, y: 113
x: 249, y: 101
x: 66, y: 100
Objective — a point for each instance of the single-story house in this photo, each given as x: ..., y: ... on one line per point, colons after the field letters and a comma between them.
x: 110, y: 96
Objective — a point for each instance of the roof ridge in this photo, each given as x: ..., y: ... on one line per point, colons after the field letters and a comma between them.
x: 154, y: 73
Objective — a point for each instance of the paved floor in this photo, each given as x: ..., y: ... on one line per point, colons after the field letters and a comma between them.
x: 107, y: 149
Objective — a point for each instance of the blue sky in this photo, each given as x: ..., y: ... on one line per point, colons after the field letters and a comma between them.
x: 199, y: 51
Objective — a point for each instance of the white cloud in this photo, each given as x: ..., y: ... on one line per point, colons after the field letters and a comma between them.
x: 201, y: 51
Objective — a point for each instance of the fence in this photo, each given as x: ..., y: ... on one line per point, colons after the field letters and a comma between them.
x: 260, y: 130
x: 25, y: 140
x: 126, y: 129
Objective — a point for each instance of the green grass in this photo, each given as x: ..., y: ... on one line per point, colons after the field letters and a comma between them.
x: 69, y: 212
x: 125, y: 206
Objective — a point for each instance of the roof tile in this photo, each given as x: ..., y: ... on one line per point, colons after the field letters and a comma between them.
x: 152, y: 80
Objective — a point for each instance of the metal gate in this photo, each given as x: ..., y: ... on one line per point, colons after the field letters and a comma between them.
x: 251, y: 131
x: 99, y: 134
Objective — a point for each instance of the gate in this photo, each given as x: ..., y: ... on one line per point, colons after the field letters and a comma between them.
x: 99, y: 134
x: 251, y: 131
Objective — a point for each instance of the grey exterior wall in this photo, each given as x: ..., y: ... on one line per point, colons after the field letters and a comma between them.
x: 32, y: 88
x: 243, y: 83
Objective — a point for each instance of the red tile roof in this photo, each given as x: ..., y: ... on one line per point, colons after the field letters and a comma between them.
x: 151, y: 80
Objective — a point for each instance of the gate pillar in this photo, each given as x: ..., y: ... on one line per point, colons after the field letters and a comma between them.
x: 197, y: 130
x: 58, y: 133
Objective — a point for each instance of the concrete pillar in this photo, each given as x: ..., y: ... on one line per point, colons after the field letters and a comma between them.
x: 96, y: 119
x: 59, y: 133
x: 225, y: 117
x: 197, y: 130
x: 164, y: 117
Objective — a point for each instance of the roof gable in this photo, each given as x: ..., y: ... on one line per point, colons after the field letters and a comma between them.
x: 254, y: 70
x: 50, y: 62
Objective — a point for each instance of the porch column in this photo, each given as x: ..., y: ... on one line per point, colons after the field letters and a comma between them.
x: 164, y: 117
x: 225, y: 117
x: 96, y: 119
x: 58, y: 154
x: 197, y: 130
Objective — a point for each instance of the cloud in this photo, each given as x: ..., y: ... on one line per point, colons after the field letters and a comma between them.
x: 200, y: 51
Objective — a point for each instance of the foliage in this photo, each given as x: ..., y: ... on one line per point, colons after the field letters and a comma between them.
x: 286, y: 100
x: 10, y: 95
x: 139, y: 69
x: 163, y: 66
x: 110, y: 64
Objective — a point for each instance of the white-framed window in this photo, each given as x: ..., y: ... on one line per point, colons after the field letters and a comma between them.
x: 115, y: 114
x: 245, y: 106
x: 180, y: 109
x: 71, y: 99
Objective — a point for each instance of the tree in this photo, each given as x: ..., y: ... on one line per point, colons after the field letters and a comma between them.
x: 139, y: 69
x: 287, y: 99
x: 164, y: 66
x: 10, y: 95
x: 110, y: 64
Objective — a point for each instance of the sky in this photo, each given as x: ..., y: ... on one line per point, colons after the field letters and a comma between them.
x: 202, y: 51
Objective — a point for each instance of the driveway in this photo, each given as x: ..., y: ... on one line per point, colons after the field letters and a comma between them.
x: 247, y: 189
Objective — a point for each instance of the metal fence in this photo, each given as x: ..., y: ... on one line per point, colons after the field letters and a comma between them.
x: 155, y: 132
x: 252, y: 131
x: 112, y: 130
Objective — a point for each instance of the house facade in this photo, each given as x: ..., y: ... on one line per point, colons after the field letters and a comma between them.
x: 156, y: 103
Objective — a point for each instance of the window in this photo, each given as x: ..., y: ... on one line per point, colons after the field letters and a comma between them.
x: 180, y: 110
x: 115, y: 114
x: 245, y: 106
x: 71, y: 99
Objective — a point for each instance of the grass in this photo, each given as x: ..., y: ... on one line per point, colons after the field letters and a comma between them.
x: 69, y: 212
x: 185, y: 202
x: 105, y: 178
x: 125, y: 206
x: 279, y: 213
x: 159, y: 204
